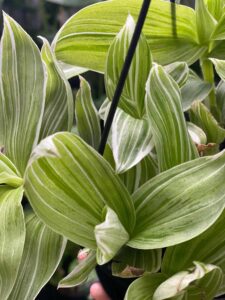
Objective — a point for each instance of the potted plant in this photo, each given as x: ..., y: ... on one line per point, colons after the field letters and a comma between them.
x: 153, y: 205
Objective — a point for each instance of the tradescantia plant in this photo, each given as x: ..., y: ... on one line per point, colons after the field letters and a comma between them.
x: 153, y: 205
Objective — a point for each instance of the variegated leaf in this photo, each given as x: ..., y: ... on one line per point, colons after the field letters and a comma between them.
x: 105, y: 20
x: 130, y: 263
x: 191, y: 284
x: 208, y: 247
x: 58, y: 113
x: 42, y: 253
x: 110, y: 237
x: 194, y: 89
x: 137, y: 175
x: 206, y: 24
x: 179, y: 71
x: 220, y: 67
x: 171, y: 207
x: 163, y: 100
x: 80, y: 273
x: 8, y: 173
x: 68, y: 184
x: 198, y: 136
x: 131, y: 140
x: 70, y: 71
x: 202, y: 117
x: 22, y: 99
x: 88, y: 121
x: 12, y: 237
x: 132, y: 98
x: 143, y: 288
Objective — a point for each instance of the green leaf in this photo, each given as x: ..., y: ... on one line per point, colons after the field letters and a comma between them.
x: 22, y: 99
x: 208, y: 247
x: 197, y: 134
x: 42, y: 253
x: 64, y: 184
x: 215, y: 8
x: 133, y: 95
x: 205, y: 21
x: 12, y: 237
x: 8, y: 173
x: 133, y: 262
x: 220, y: 99
x: 206, y: 279
x: 202, y: 117
x: 80, y: 273
x: 166, y: 119
x: 144, y: 287
x: 110, y: 237
x: 86, y: 44
x: 219, y: 32
x: 194, y: 89
x: 171, y: 207
x: 179, y: 71
x: 58, y: 113
x: 221, y: 290
x: 131, y: 140
x: 88, y: 121
x: 137, y: 175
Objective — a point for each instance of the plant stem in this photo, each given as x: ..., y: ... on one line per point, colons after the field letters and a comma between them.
x: 208, y: 75
x: 124, y: 73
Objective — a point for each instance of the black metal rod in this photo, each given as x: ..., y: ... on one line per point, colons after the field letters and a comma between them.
x: 124, y: 73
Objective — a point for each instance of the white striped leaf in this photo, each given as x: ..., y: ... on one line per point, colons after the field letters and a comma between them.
x: 208, y: 247
x: 130, y: 263
x: 12, y: 237
x: 194, y: 89
x: 131, y: 140
x: 42, y: 253
x: 68, y: 184
x: 88, y: 121
x: 220, y: 67
x: 179, y: 71
x: 206, y: 24
x: 110, y: 237
x: 71, y: 71
x: 198, y: 136
x: 81, y: 272
x: 191, y: 284
x: 22, y: 99
x: 163, y: 100
x: 86, y: 44
x: 8, y: 173
x: 171, y: 207
x: 202, y: 117
x: 132, y: 98
x: 58, y: 113
x: 137, y: 175
x: 143, y: 288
